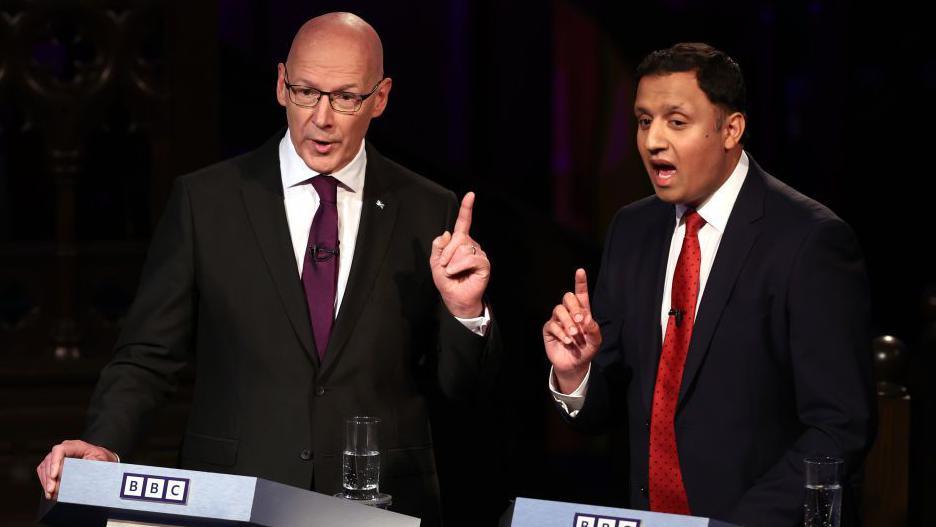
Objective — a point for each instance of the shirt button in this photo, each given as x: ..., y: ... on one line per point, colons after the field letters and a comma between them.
x: 320, y: 391
x: 305, y: 455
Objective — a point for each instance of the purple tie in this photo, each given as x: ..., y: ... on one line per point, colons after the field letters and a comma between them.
x: 320, y: 268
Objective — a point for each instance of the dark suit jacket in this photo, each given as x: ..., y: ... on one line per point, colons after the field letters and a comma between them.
x: 779, y: 365
x: 220, y: 287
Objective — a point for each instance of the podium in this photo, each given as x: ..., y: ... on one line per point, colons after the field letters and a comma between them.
x: 526, y: 512
x: 98, y: 494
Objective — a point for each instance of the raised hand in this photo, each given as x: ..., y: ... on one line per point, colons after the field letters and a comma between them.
x: 460, y: 269
x: 571, y: 336
x: 50, y: 470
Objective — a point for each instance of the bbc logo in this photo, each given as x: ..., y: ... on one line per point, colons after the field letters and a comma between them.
x: 588, y: 520
x: 154, y: 488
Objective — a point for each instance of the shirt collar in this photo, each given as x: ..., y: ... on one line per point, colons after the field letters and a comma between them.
x: 717, y: 208
x: 294, y: 171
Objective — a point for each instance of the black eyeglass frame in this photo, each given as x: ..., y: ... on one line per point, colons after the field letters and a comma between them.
x: 361, y: 97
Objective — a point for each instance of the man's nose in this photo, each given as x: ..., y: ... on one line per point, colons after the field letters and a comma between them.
x: 655, y: 138
x: 322, y: 113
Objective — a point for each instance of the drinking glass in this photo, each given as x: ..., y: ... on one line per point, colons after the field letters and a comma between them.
x: 823, y: 507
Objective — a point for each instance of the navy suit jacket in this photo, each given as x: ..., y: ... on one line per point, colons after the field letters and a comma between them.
x: 779, y: 365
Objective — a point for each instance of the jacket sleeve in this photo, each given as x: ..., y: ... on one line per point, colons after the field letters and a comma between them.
x: 829, y: 315
x: 155, y: 342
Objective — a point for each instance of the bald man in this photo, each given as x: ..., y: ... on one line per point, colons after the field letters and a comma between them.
x: 310, y: 281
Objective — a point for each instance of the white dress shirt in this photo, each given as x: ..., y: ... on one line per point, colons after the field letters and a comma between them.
x: 301, y: 202
x: 715, y: 211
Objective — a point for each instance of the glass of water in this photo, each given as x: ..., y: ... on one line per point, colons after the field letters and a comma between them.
x: 360, y: 459
x: 823, y: 507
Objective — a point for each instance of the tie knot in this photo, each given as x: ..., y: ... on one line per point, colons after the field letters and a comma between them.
x: 694, y: 222
x: 326, y: 187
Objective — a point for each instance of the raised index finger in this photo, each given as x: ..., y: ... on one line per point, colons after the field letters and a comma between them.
x: 581, y: 289
x: 463, y: 222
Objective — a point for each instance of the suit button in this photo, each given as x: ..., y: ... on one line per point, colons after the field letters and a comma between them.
x: 305, y: 455
x: 647, y: 424
x: 643, y: 490
x: 320, y: 391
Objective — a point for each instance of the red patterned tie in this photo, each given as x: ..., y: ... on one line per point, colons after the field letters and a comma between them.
x: 667, y: 492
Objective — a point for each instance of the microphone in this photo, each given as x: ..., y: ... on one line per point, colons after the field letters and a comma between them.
x: 678, y: 313
x: 321, y: 253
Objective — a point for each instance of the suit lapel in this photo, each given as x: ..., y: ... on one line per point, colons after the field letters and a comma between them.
x: 651, y: 293
x: 373, y: 238
x: 740, y: 234
x: 262, y: 191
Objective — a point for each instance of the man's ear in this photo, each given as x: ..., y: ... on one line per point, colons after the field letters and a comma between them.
x: 733, y: 129
x: 281, y: 84
x: 382, y: 96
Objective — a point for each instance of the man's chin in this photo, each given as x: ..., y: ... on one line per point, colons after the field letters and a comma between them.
x: 666, y: 194
x: 319, y: 163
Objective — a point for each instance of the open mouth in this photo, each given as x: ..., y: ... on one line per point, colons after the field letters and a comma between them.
x: 663, y: 171
x: 323, y: 147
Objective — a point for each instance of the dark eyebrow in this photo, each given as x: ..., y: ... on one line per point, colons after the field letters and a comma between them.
x: 673, y: 108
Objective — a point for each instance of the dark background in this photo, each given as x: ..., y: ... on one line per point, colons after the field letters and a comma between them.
x: 103, y: 103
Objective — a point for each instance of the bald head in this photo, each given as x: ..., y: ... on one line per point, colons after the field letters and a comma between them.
x: 345, y: 31
x: 339, y: 56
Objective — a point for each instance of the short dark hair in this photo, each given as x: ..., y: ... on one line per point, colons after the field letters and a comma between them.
x: 718, y: 75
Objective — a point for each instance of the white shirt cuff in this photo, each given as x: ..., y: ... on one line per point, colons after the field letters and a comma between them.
x: 574, y: 401
x: 477, y: 325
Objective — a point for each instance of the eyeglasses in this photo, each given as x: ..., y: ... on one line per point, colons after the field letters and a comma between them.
x: 340, y: 101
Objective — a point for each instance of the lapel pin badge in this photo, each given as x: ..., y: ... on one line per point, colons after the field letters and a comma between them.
x: 380, y: 204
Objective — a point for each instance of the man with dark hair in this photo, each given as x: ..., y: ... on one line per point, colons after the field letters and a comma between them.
x: 728, y: 329
x: 718, y: 75
x: 310, y: 281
